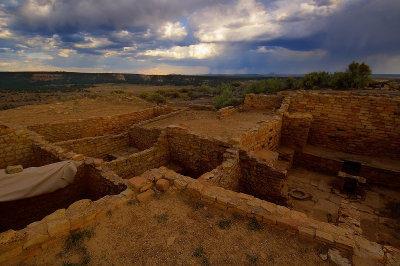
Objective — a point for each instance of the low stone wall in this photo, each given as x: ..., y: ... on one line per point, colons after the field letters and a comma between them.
x: 262, y: 101
x: 143, y: 138
x: 295, y: 129
x: 16, y: 246
x: 379, y: 176
x: 226, y: 111
x: 96, y: 126
x: 195, y: 153
x: 317, y: 163
x: 266, y: 136
x: 136, y: 164
x: 97, y: 147
x: 16, y: 148
x: 359, y: 250
x: 262, y: 180
x: 360, y: 124
x: 228, y: 174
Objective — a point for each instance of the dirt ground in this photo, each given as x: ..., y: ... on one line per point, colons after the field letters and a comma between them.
x: 206, y: 122
x: 72, y: 109
x: 173, y: 230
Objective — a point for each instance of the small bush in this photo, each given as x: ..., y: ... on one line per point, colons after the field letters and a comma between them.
x: 224, y: 99
x: 224, y: 223
x: 198, y: 252
x: 254, y: 225
x: 153, y: 97
x: 161, y: 218
x: 117, y: 92
x: 252, y: 259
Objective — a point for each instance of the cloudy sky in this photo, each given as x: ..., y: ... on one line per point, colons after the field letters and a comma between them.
x: 199, y: 36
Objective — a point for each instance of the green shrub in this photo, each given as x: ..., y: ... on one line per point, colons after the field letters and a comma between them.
x: 117, y: 92
x: 315, y: 80
x: 266, y: 86
x: 224, y: 223
x: 226, y: 98
x: 155, y: 97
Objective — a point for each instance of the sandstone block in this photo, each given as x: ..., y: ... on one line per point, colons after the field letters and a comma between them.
x: 368, y: 249
x: 180, y: 184
x: 58, y: 214
x: 6, y: 256
x: 35, y: 238
x: 324, y: 237
x: 137, y: 182
x: 162, y: 184
x: 58, y: 227
x: 79, y: 206
x: 13, y: 169
x: 195, y: 188
x: 145, y: 196
x: 306, y: 232
x: 146, y: 187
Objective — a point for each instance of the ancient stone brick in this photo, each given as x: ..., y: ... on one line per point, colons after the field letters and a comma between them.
x: 162, y: 184
x: 145, y: 196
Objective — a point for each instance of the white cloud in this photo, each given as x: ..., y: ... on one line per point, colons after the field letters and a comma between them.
x: 93, y: 42
x: 246, y: 20
x: 172, y: 31
x: 65, y: 52
x: 249, y: 20
x: 197, y: 51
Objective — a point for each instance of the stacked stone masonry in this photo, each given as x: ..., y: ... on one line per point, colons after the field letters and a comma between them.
x: 97, y: 126
x: 352, y: 123
x: 225, y: 169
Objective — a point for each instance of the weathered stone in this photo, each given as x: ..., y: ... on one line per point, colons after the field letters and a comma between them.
x: 58, y: 214
x: 127, y: 193
x: 79, y: 206
x: 324, y: 237
x: 58, y: 227
x: 334, y: 255
x: 146, y: 187
x: 145, y: 196
x: 306, y: 232
x: 6, y: 256
x: 195, y: 188
x: 162, y: 184
x: 137, y: 182
x: 13, y: 169
x: 368, y: 249
x: 35, y: 238
x: 180, y: 184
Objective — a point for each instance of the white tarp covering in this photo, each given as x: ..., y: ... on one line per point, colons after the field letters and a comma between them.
x: 36, y: 181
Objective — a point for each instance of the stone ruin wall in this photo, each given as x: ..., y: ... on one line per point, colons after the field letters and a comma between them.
x: 96, y: 126
x: 262, y: 180
x: 266, y: 136
x: 262, y: 102
x: 361, y: 124
x: 193, y: 152
x: 143, y: 138
x: 15, y: 148
x: 137, y: 163
x: 295, y: 130
x: 97, y: 147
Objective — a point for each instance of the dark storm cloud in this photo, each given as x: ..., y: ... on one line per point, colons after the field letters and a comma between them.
x: 367, y: 28
x: 68, y: 16
x: 117, y: 34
